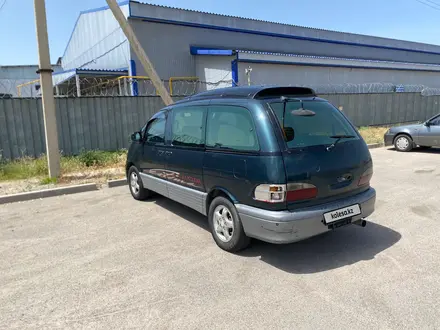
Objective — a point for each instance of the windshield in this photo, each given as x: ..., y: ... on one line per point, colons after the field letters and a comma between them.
x: 316, y: 123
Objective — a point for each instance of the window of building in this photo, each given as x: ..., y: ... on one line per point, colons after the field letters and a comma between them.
x: 231, y: 127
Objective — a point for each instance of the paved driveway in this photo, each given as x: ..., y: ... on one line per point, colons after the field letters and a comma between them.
x: 102, y: 260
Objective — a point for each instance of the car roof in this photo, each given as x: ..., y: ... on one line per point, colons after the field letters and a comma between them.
x: 251, y: 92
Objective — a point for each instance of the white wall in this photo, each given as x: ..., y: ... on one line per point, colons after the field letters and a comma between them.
x: 97, y: 42
x: 14, y: 75
x: 215, y: 70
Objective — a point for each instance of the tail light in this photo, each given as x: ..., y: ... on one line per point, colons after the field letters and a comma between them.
x: 277, y: 193
x: 366, y: 177
x: 301, y: 191
x: 270, y: 193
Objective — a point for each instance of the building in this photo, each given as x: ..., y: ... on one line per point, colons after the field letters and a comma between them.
x: 217, y: 50
x: 21, y: 80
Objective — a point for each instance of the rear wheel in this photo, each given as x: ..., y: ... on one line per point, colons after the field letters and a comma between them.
x: 136, y: 186
x: 403, y: 143
x: 226, y: 227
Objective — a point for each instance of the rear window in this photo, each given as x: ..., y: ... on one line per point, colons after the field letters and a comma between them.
x: 313, y: 124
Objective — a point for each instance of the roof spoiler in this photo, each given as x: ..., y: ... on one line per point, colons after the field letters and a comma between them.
x: 284, y: 91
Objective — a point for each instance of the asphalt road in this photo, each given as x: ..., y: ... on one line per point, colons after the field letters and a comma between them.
x: 102, y: 260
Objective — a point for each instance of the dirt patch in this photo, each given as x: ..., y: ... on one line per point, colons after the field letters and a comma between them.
x: 100, y: 177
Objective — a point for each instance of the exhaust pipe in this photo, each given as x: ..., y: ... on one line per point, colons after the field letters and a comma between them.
x: 361, y: 223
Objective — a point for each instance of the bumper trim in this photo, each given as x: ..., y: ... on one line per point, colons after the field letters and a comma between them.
x: 287, y: 227
x: 388, y: 139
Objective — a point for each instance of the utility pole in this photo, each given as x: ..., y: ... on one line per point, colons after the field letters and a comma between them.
x: 248, y: 74
x: 45, y: 71
x: 140, y: 52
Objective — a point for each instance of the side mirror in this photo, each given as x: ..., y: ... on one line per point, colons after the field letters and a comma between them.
x: 136, y: 137
x: 289, y: 133
x: 427, y: 123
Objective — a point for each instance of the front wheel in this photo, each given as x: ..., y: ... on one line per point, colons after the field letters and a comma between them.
x: 403, y: 143
x: 136, y: 186
x: 226, y: 227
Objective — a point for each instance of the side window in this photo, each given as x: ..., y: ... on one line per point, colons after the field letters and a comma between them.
x: 231, y: 127
x: 187, y: 126
x: 155, y: 132
x: 436, y: 121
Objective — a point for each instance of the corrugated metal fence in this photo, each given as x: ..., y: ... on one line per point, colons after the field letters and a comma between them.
x: 385, y: 108
x: 83, y: 123
x: 106, y: 122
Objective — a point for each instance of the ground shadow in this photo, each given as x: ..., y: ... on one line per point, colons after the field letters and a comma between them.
x: 180, y: 210
x: 342, y: 247
x: 334, y: 249
x: 432, y: 150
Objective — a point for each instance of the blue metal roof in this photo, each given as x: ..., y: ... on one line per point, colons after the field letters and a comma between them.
x: 121, y: 70
x: 228, y: 52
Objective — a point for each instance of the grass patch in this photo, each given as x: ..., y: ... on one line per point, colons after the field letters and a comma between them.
x: 26, y: 167
x: 373, y: 134
x: 48, y: 180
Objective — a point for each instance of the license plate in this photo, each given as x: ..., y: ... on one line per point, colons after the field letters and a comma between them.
x: 345, y: 212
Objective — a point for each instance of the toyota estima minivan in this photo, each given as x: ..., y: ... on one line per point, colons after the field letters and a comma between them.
x: 273, y: 163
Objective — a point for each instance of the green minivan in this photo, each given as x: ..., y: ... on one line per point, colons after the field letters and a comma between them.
x: 278, y: 164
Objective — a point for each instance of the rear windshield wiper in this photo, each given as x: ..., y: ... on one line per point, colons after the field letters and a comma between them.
x: 338, y: 138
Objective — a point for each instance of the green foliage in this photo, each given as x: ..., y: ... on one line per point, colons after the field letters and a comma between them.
x: 27, y: 167
x: 100, y: 158
x: 48, y: 180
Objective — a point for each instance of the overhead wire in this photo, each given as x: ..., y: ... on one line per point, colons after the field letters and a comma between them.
x: 433, y: 2
x: 429, y: 5
x: 3, y: 4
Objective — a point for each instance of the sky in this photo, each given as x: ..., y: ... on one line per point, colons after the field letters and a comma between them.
x: 398, y: 19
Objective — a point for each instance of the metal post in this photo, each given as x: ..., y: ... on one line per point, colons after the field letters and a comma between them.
x: 125, y: 87
x: 57, y: 90
x: 120, y: 87
x: 140, y: 52
x: 78, y: 86
x: 248, y: 74
x: 45, y: 71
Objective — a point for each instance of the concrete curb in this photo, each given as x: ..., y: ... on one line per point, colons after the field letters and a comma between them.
x: 375, y: 145
x: 116, y: 183
x: 47, y: 193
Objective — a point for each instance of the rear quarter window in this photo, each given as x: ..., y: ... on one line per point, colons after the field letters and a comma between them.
x: 232, y: 128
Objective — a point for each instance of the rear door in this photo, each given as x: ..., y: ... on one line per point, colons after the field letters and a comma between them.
x: 430, y: 135
x: 319, y: 167
x: 153, y: 160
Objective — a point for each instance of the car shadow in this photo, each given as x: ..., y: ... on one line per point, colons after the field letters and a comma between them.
x: 433, y: 150
x: 427, y: 151
x: 342, y: 247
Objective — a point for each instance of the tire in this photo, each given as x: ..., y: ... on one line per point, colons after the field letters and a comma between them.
x: 136, y: 186
x: 225, y: 225
x: 403, y: 143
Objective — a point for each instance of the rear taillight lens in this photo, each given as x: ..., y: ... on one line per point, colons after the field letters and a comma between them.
x: 301, y: 191
x: 270, y: 193
x: 366, y: 177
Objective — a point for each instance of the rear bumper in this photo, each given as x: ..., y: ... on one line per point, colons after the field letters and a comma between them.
x: 287, y: 227
x: 388, y: 139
